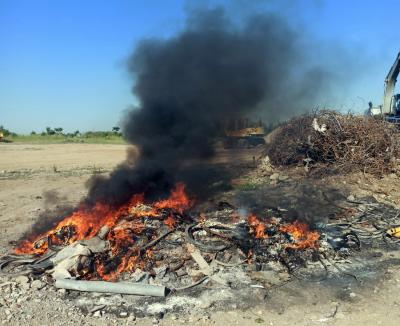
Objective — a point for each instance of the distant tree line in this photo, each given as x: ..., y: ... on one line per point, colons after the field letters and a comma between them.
x: 60, y: 131
x: 88, y: 134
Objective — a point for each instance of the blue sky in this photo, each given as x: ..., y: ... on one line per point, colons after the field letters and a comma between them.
x: 62, y: 62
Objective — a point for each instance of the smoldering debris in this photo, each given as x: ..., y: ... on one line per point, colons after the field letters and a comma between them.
x: 188, y: 84
x: 327, y: 142
x: 300, y: 200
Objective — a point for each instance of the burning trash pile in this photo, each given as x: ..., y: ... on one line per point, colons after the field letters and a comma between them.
x: 326, y: 142
x: 110, y: 244
x: 168, y: 248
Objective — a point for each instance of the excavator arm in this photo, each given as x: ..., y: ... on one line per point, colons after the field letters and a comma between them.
x: 390, y: 83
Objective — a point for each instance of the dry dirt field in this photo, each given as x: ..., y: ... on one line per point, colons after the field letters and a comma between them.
x: 28, y: 172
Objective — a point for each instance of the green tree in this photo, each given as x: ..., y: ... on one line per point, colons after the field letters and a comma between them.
x: 58, y: 130
x: 50, y: 131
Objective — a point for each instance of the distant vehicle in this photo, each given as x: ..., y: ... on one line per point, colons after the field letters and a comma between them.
x: 390, y: 110
x: 241, y: 133
x: 1, y: 136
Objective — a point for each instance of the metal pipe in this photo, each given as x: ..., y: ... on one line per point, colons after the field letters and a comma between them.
x: 111, y: 287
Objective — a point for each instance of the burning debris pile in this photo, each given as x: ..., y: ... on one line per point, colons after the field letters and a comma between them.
x: 104, y: 242
x: 328, y: 142
x: 167, y: 247
x: 109, y: 244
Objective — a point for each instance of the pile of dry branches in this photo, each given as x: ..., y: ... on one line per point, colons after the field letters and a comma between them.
x: 329, y: 142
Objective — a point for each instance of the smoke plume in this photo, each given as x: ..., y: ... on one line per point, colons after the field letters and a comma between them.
x: 189, y: 83
x: 56, y: 208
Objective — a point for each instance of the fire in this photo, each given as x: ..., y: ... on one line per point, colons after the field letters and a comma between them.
x: 178, y: 201
x: 258, y: 228
x: 129, y: 231
x: 302, y: 236
x: 85, y: 223
x: 128, y: 263
x: 170, y: 222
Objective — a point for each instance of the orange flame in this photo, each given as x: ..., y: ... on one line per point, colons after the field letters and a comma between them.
x: 302, y: 236
x: 85, y: 223
x: 178, y: 201
x: 258, y: 228
x: 170, y: 222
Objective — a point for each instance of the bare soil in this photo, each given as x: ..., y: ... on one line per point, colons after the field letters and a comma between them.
x: 27, y: 172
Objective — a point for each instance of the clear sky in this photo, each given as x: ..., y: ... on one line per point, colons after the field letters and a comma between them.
x: 62, y: 62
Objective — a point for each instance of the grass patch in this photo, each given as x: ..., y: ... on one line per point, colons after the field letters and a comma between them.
x: 247, y: 186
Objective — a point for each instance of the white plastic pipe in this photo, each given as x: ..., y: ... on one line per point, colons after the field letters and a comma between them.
x: 111, y: 287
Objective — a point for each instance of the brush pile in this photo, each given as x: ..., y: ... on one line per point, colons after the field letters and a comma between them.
x: 329, y: 142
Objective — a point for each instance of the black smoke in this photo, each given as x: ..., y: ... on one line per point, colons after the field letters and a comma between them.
x: 56, y: 208
x: 187, y: 85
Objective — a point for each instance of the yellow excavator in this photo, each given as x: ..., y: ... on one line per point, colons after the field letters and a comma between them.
x: 242, y: 133
x: 390, y: 109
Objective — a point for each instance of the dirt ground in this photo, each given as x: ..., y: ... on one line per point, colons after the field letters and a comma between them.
x: 27, y: 172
